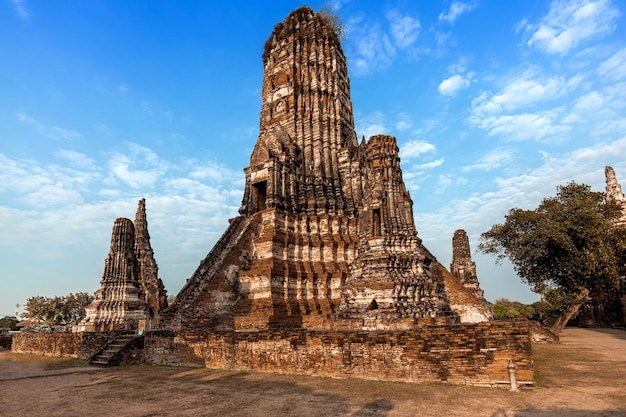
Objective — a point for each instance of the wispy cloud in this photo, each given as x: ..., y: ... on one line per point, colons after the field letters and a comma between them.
x: 21, y: 9
x: 614, y: 68
x: 414, y: 148
x: 404, y: 122
x: 54, y: 132
x: 76, y: 159
x: 570, y: 23
x: 140, y: 167
x: 457, y: 8
x: 494, y: 159
x: 373, y: 48
x: 188, y: 205
x: 450, y: 86
x: 528, y: 105
x: 540, y: 126
x: 404, y: 29
x: 370, y: 124
x: 373, y: 45
x: 524, y: 89
x: 429, y: 165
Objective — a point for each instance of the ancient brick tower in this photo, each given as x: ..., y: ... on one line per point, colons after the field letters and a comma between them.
x: 326, y: 230
x: 614, y: 193
x: 152, y: 287
x: 462, y: 266
x: 130, y: 290
x: 119, y: 303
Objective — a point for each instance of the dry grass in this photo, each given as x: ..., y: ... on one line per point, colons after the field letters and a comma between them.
x: 582, y: 376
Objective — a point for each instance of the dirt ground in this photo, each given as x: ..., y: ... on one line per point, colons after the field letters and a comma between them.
x: 583, y: 376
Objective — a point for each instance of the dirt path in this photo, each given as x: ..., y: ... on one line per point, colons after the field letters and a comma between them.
x: 583, y: 376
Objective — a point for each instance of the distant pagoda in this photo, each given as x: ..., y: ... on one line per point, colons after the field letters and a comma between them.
x: 462, y: 266
x: 131, y: 294
x: 119, y: 303
x: 614, y: 193
x: 154, y: 292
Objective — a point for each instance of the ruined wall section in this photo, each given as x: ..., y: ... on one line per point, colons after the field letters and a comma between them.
x: 466, y: 355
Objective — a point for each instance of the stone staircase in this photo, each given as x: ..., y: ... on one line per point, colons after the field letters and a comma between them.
x: 209, y: 265
x: 118, y: 350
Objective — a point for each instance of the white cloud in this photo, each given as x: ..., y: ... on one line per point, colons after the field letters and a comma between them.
x: 370, y: 125
x: 457, y: 8
x: 372, y: 47
x: 527, y: 88
x: 450, y: 86
x: 373, y: 129
x: 528, y: 105
x: 430, y: 165
x: 494, y: 159
x: 404, y: 29
x: 139, y: 168
x: 569, y: 23
x: 414, y: 148
x: 77, y: 159
x: 28, y: 184
x: 602, y: 111
x: 614, y: 68
x: 591, y: 101
x: 44, y: 203
x: 403, y: 125
x: 540, y: 126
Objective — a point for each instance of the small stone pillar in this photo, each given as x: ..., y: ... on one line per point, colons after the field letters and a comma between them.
x: 512, y: 377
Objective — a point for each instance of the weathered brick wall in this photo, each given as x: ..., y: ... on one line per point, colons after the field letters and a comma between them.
x: 76, y: 345
x: 475, y: 354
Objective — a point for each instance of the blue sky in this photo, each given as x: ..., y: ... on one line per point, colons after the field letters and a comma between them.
x: 493, y: 103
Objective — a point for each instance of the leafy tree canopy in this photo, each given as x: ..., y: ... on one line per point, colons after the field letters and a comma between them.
x: 57, y: 310
x: 9, y: 322
x: 565, y: 248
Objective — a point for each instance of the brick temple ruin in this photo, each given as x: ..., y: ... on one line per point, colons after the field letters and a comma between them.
x: 326, y: 236
x: 322, y: 272
x: 131, y: 295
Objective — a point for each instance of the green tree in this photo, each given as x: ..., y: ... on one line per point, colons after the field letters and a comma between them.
x: 565, y: 248
x: 9, y: 322
x: 53, y: 311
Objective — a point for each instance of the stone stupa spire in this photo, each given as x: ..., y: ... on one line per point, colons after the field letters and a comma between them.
x: 148, y: 272
x: 462, y: 266
x: 118, y: 304
x: 614, y: 193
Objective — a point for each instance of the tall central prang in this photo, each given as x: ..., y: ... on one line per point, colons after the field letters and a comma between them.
x: 326, y: 235
x: 306, y: 119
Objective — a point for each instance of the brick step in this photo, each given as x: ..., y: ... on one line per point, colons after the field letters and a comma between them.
x: 107, y: 356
